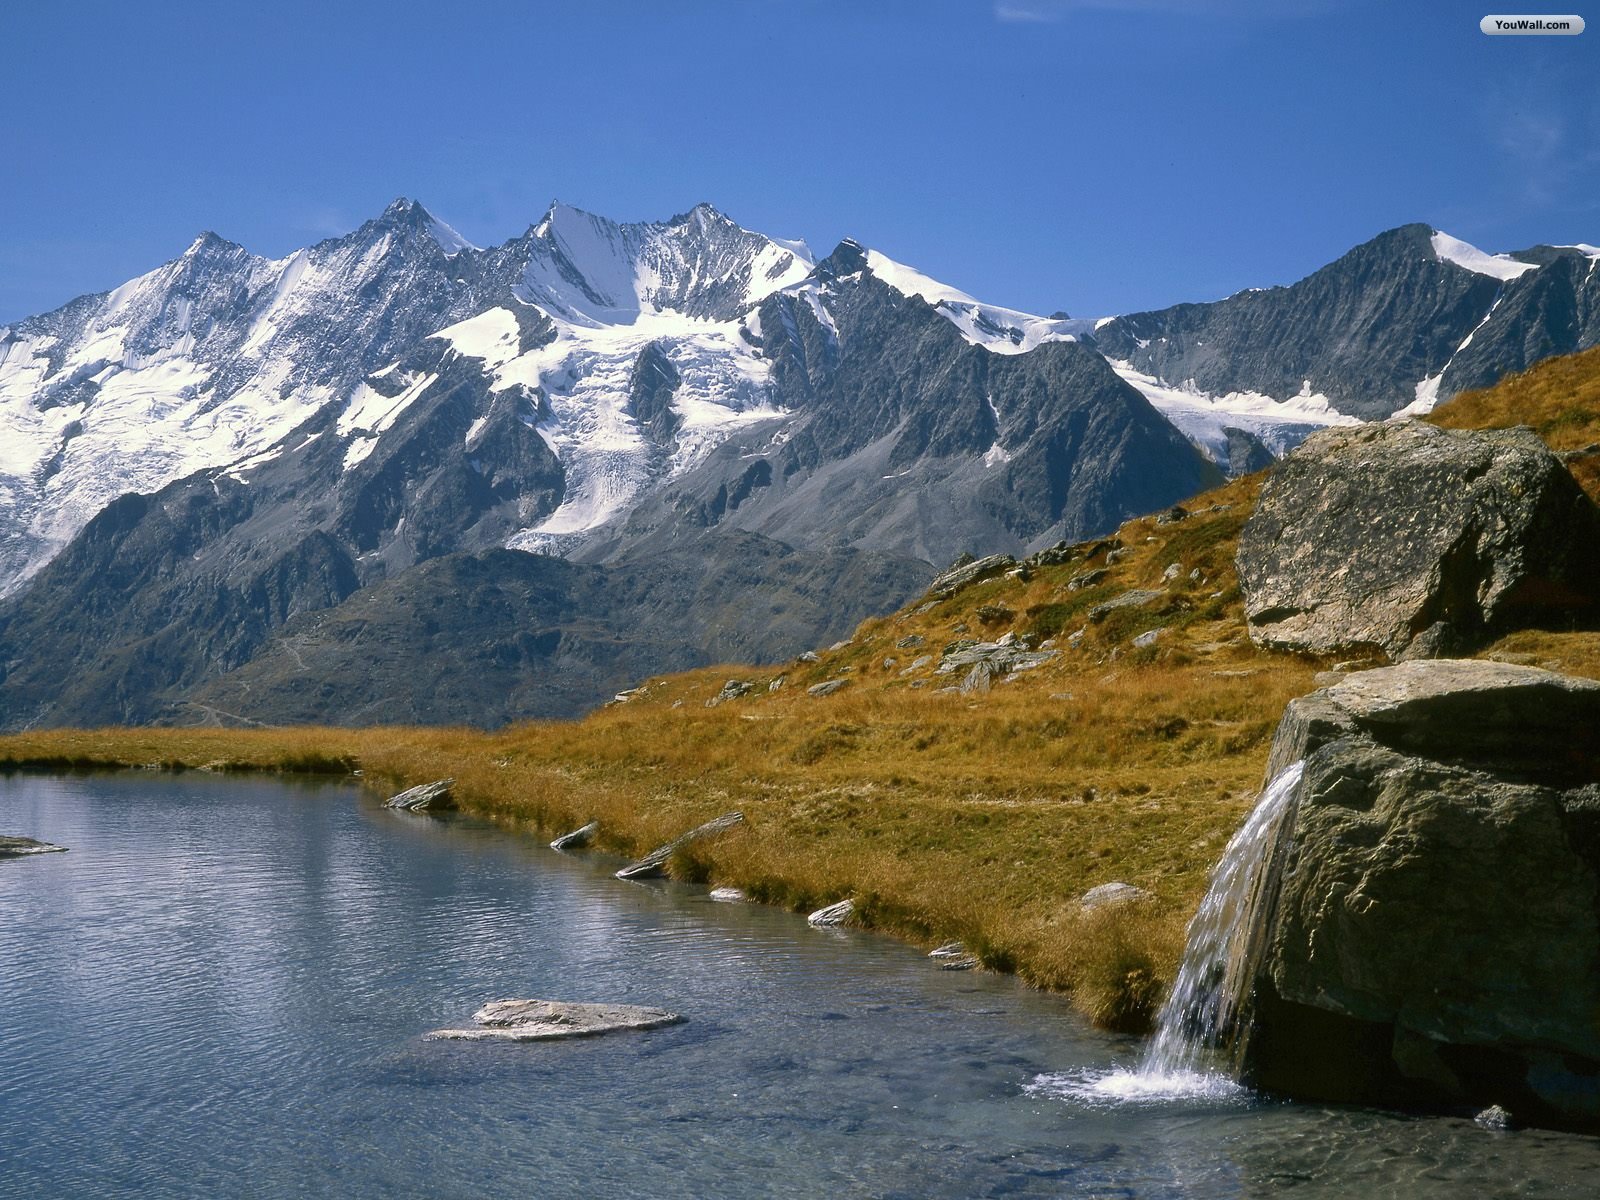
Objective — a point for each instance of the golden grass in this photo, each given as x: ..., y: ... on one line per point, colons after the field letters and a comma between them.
x: 1559, y: 398
x: 982, y: 817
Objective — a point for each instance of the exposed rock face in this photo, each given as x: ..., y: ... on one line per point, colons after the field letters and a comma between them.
x: 1432, y: 933
x: 1416, y: 541
x: 426, y: 797
x: 543, y: 1020
x: 654, y: 864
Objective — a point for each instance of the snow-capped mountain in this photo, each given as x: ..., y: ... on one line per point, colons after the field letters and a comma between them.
x: 1398, y: 324
x: 215, y: 357
x: 231, y: 483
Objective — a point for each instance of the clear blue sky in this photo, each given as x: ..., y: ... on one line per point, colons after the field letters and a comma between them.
x: 1093, y: 155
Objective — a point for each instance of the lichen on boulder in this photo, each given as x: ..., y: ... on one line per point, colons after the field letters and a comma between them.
x: 1416, y: 541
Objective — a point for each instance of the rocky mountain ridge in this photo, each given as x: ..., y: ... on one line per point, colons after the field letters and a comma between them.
x: 646, y: 400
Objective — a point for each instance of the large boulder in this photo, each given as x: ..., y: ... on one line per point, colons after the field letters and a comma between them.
x: 1430, y: 929
x: 1416, y: 541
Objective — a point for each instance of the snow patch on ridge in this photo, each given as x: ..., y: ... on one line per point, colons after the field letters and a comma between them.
x: 1463, y: 254
x: 1001, y: 330
x: 1203, y: 418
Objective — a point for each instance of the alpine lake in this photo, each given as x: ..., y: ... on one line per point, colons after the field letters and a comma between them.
x: 223, y: 989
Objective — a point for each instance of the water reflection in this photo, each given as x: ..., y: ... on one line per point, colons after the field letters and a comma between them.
x: 220, y: 990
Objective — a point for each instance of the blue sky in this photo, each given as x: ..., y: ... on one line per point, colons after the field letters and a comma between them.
x: 1094, y: 155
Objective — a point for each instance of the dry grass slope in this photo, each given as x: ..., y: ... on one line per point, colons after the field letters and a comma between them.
x: 981, y: 815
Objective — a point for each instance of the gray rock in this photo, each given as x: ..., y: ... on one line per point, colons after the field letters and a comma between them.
x: 1416, y: 541
x: 1172, y: 572
x: 776, y: 685
x: 1147, y: 638
x: 425, y: 797
x: 808, y: 656
x: 654, y: 864
x: 833, y: 915
x: 1111, y: 895
x: 827, y: 687
x: 922, y: 660
x: 16, y: 847
x: 954, y: 956
x: 961, y: 573
x: 1002, y: 657
x: 1428, y: 929
x: 1173, y: 515
x: 578, y: 838
x: 912, y: 641
x: 1494, y: 1117
x: 545, y: 1020
x: 731, y: 690
x: 980, y: 677
x: 729, y: 895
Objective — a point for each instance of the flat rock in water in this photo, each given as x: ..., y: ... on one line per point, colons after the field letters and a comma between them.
x: 729, y: 895
x: 426, y: 797
x: 655, y: 863
x: 544, y: 1020
x: 16, y: 847
x: 833, y: 915
x: 953, y: 956
x: 578, y: 838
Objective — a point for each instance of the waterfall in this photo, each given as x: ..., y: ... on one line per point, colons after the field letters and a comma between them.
x: 1213, y: 979
x: 1204, y: 1010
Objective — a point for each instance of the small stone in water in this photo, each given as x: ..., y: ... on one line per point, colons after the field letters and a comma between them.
x: 1494, y: 1117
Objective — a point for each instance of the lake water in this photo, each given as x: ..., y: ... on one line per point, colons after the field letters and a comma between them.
x: 221, y: 991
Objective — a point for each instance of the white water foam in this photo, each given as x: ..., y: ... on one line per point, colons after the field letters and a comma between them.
x: 1212, y: 983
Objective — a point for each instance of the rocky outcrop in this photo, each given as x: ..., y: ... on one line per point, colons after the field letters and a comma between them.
x: 17, y: 847
x: 654, y: 864
x: 578, y: 838
x: 1430, y: 929
x: 1416, y: 541
x: 967, y: 570
x: 543, y: 1020
x: 425, y: 797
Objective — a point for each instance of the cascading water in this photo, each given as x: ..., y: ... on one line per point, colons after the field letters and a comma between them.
x: 1213, y: 979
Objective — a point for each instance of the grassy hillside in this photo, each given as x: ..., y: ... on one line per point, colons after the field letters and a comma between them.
x: 981, y: 815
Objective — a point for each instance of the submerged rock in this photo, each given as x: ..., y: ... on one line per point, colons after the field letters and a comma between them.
x: 654, y: 864
x: 954, y: 956
x: 426, y: 797
x: 1430, y: 930
x: 16, y: 847
x: 833, y: 915
x: 1416, y: 541
x: 578, y: 838
x: 729, y: 895
x: 543, y: 1020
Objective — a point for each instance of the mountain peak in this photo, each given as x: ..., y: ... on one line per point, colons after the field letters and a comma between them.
x: 407, y: 216
x: 848, y: 258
